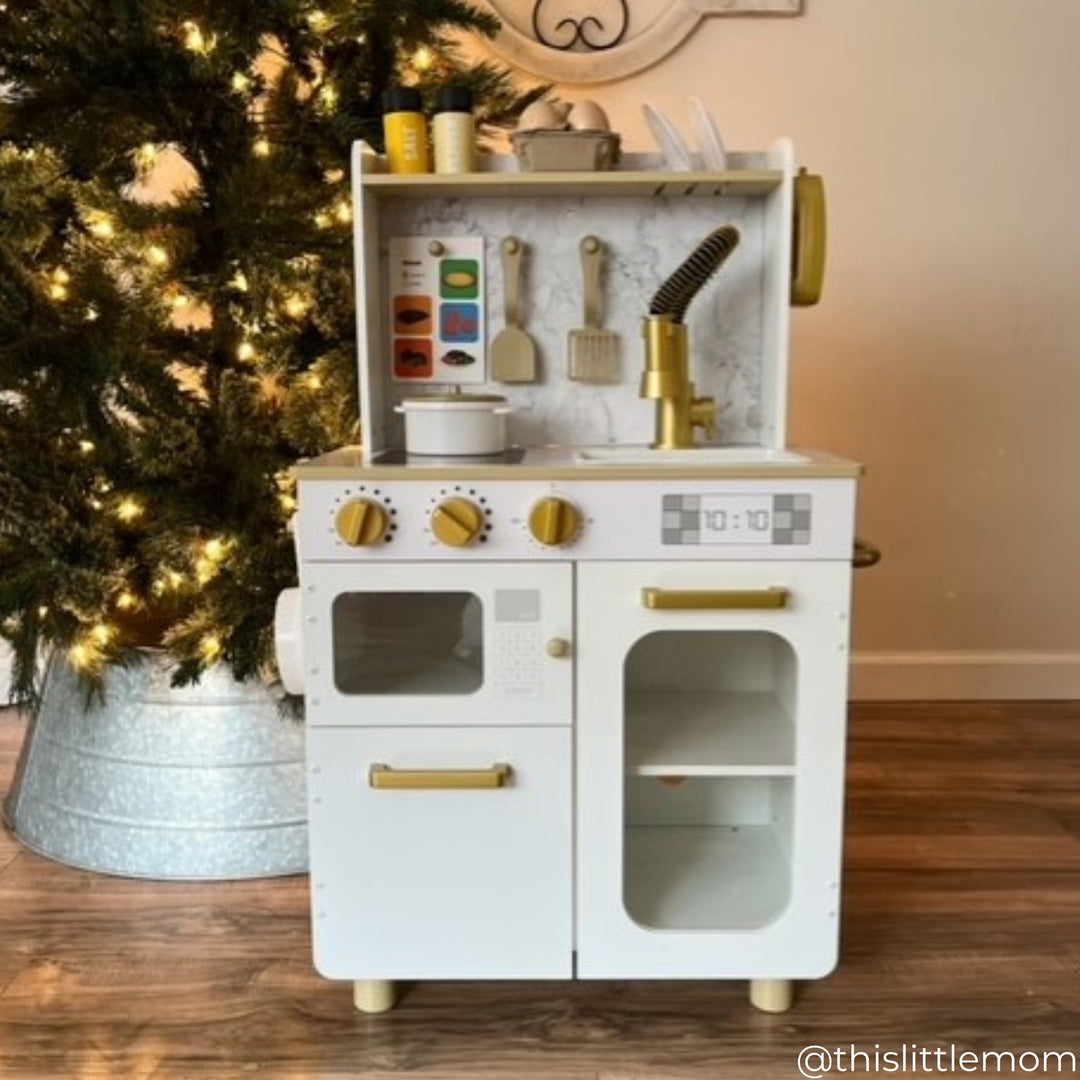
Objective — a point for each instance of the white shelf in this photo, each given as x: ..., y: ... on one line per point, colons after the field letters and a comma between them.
x: 708, y: 733
x: 738, y: 182
x: 705, y: 878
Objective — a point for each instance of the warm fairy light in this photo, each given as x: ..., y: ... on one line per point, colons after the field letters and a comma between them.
x: 86, y: 446
x: 156, y: 255
x: 129, y: 510
x: 323, y: 220
x: 61, y: 276
x: 216, y: 549
x: 423, y: 58
x: 58, y: 291
x: 239, y: 281
x: 245, y: 351
x: 296, y: 306
x: 210, y: 647
x: 146, y: 156
x: 240, y: 82
x: 313, y: 381
x: 261, y: 148
x: 42, y: 611
x: 101, y: 226
x: 318, y: 20
x: 179, y: 301
x: 126, y: 601
x: 343, y: 211
x: 94, y: 503
x: 102, y: 633
x: 81, y: 656
x: 288, y: 503
x: 328, y: 96
x: 92, y: 313
x: 195, y: 40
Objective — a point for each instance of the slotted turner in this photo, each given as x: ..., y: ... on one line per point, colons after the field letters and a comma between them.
x: 592, y: 352
x: 513, y: 352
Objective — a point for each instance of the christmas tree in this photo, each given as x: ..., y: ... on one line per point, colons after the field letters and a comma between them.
x: 163, y: 361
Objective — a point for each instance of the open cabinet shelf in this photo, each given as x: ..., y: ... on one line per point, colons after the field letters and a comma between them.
x: 705, y: 877
x: 708, y: 733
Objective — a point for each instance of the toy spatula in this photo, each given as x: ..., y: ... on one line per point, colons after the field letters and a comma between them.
x: 513, y: 352
x: 592, y: 352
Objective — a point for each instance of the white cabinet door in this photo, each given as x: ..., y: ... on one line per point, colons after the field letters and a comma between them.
x: 710, y: 754
x: 414, y: 882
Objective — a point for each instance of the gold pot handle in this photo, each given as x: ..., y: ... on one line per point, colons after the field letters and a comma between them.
x: 385, y: 778
x: 714, y: 599
x: 808, y: 248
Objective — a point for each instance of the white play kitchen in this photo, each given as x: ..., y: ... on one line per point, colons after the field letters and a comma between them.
x: 572, y: 623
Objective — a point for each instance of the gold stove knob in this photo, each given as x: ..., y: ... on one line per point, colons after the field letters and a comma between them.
x: 554, y: 522
x: 457, y: 522
x: 362, y: 522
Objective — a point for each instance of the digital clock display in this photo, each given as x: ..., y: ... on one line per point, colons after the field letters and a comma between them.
x: 776, y: 520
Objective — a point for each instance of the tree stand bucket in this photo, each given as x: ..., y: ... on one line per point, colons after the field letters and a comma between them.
x: 202, y: 783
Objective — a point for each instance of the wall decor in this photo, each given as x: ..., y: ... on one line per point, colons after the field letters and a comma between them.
x: 592, y: 41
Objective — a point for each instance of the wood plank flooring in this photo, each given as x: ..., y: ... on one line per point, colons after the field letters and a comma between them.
x: 961, y: 926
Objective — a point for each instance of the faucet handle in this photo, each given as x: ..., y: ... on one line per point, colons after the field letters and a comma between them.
x: 703, y: 415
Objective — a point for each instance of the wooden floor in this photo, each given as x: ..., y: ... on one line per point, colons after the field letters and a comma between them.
x: 961, y: 926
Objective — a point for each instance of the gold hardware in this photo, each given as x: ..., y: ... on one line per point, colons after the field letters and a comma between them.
x: 714, y: 599
x: 457, y: 522
x: 554, y: 522
x: 666, y: 380
x: 558, y: 647
x: 808, y: 250
x: 362, y: 522
x: 386, y: 778
x: 865, y: 554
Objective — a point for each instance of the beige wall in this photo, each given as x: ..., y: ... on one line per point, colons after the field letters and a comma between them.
x: 946, y: 351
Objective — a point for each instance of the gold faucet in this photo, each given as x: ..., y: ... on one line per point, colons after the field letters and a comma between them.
x: 666, y: 380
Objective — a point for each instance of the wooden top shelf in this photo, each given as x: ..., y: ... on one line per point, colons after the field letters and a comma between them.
x: 628, y: 183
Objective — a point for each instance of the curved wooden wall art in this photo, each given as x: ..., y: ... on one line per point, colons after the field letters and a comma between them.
x: 594, y: 41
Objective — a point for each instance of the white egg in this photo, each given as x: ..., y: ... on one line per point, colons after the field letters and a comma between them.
x: 588, y: 116
x: 541, y: 115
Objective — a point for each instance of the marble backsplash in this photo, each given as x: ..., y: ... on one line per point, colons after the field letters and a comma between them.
x: 646, y: 239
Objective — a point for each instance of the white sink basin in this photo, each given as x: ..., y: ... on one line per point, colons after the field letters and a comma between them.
x: 703, y: 455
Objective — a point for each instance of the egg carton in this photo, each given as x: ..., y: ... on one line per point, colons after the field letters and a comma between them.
x: 566, y: 151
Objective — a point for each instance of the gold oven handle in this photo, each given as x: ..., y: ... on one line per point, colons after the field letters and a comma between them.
x: 384, y: 777
x: 714, y: 599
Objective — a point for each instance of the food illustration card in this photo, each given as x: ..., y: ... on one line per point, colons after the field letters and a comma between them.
x: 437, y: 309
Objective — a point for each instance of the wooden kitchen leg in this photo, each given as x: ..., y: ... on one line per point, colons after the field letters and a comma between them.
x: 772, y: 995
x: 373, y: 995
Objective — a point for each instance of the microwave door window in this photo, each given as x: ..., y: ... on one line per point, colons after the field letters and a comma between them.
x: 408, y: 643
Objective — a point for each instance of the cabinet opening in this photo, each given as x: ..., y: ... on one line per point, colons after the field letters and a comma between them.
x: 405, y: 643
x: 707, y: 853
x: 710, y: 703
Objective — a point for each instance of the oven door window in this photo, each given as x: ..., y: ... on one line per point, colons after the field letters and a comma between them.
x: 408, y: 643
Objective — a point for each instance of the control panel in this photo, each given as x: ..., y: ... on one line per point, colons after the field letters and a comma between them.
x: 576, y: 520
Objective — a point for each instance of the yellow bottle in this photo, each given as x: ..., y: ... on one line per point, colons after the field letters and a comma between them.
x: 405, y: 130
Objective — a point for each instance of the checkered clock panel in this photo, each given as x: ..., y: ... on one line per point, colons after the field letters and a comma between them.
x: 791, y: 519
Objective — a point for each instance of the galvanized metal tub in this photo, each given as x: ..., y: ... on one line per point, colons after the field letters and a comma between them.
x: 198, y: 783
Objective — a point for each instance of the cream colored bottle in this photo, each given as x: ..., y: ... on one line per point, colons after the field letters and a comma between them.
x: 453, y: 131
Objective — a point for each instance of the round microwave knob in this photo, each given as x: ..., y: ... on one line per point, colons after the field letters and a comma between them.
x: 362, y: 522
x: 457, y: 522
x: 554, y: 522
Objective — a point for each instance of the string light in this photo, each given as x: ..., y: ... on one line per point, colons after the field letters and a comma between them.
x: 86, y: 446
x: 129, y: 510
x: 101, y: 226
x: 240, y: 82
x: 102, y: 634
x: 313, y: 381
x: 328, y: 96
x: 179, y: 300
x: 296, y: 306
x: 195, y: 40
x: 42, y: 611
x: 323, y: 220
x: 318, y: 20
x: 343, y: 211
x: 210, y: 647
x: 58, y: 284
x: 146, y: 156
x: 288, y: 503
x: 126, y: 601
x: 261, y: 148
x: 156, y: 255
x: 239, y: 282
x: 245, y: 352
x: 423, y: 58
x: 81, y: 656
x: 92, y: 313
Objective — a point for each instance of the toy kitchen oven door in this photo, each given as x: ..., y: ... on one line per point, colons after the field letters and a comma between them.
x: 439, y: 705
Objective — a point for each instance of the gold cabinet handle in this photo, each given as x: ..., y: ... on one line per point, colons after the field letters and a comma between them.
x: 386, y: 778
x: 714, y: 599
x: 808, y: 253
x: 865, y: 554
